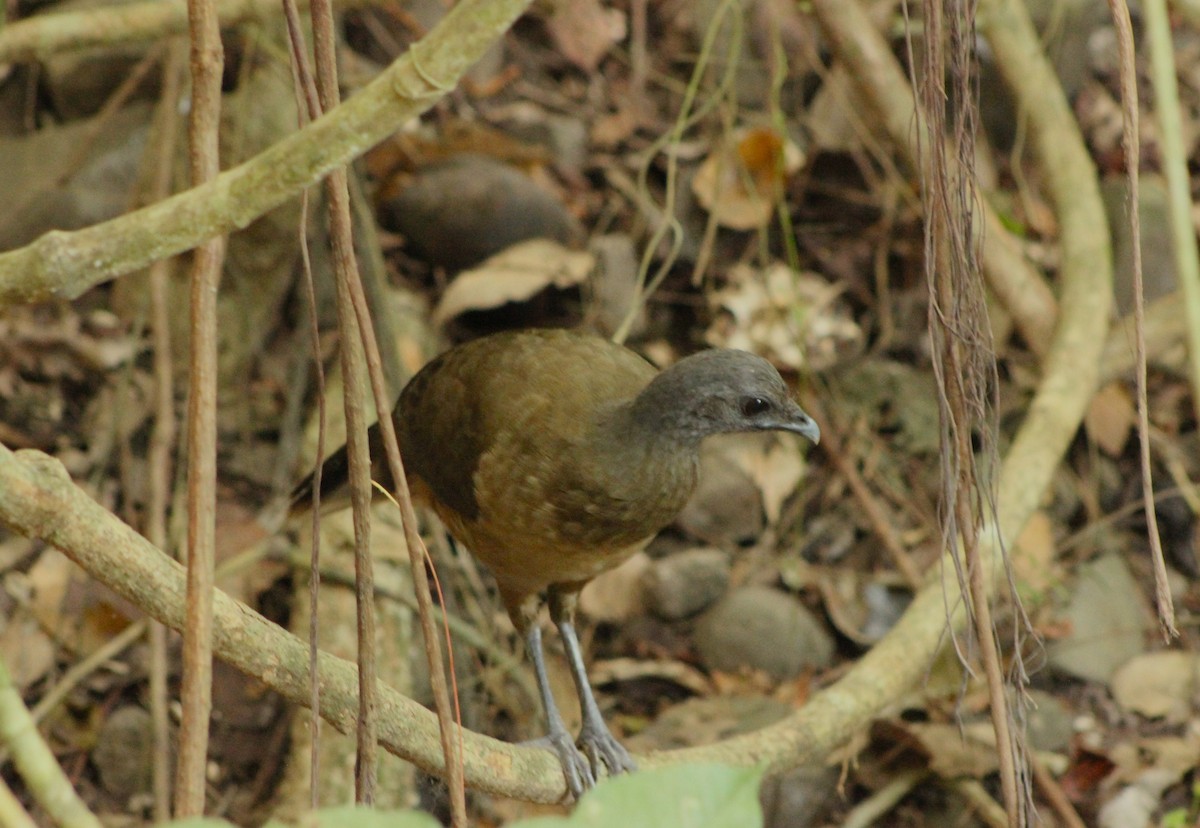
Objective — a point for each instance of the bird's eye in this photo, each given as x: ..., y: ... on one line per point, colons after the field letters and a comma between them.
x: 753, y: 406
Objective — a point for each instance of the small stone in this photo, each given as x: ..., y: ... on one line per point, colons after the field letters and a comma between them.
x: 1049, y: 724
x: 763, y: 629
x: 1157, y: 247
x: 684, y: 584
x: 124, y: 754
x: 802, y: 796
x: 462, y: 211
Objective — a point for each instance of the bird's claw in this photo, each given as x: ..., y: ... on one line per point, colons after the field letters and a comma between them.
x: 602, y: 748
x: 577, y: 768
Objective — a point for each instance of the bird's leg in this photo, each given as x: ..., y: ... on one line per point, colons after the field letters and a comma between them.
x: 595, y: 738
x: 575, y: 766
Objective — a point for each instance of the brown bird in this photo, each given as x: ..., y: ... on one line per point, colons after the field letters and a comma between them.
x: 554, y: 456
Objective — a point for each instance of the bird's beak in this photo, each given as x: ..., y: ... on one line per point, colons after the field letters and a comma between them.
x: 798, y: 422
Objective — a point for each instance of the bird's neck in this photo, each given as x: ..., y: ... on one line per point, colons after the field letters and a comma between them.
x: 648, y: 456
x: 658, y: 415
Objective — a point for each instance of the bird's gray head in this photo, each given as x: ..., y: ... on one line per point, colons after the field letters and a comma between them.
x: 721, y: 391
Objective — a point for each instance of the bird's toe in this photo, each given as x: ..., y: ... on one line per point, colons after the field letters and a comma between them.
x: 577, y: 770
x: 603, y: 749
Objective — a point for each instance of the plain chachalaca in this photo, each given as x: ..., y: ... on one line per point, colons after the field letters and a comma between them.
x: 554, y: 456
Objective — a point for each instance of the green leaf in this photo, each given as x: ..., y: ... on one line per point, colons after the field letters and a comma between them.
x: 677, y: 796
x: 350, y: 816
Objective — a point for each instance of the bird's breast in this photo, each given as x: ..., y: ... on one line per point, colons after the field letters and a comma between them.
x: 549, y: 517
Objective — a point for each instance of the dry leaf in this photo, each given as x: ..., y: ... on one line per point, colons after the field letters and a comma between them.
x: 764, y: 315
x: 49, y: 580
x: 1109, y: 418
x: 584, y: 31
x: 740, y: 183
x: 1033, y: 558
x: 775, y: 465
x: 793, y: 319
x: 514, y: 275
x: 26, y: 649
x: 634, y: 669
x: 1158, y: 685
x: 954, y: 751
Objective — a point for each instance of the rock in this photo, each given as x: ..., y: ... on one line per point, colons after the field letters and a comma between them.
x: 97, y: 191
x: 803, y: 796
x: 684, y: 584
x: 1158, y: 685
x: 1048, y: 722
x: 565, y: 136
x: 78, y: 83
x: 459, y: 212
x: 1158, y: 265
x: 763, y: 629
x: 124, y: 754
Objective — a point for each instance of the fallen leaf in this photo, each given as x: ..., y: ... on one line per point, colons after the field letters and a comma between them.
x: 514, y: 275
x: 584, y: 31
x: 776, y: 465
x: 634, y: 669
x: 27, y: 650
x: 793, y: 319
x: 1158, y: 685
x: 1033, y: 557
x: 1110, y: 417
x: 953, y: 751
x: 741, y: 181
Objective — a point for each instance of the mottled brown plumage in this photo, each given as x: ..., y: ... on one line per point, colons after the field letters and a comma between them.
x: 553, y: 456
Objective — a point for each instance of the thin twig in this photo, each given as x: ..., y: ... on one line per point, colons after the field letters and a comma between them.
x: 352, y: 333
x: 1164, y: 89
x: 309, y: 108
x: 1054, y: 793
x: 162, y: 435
x: 963, y: 361
x: 207, y: 64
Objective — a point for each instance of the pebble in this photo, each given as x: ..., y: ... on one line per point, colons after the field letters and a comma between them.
x: 686, y: 583
x: 763, y: 629
x: 459, y: 212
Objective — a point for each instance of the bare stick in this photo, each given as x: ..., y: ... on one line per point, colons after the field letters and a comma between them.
x: 207, y: 63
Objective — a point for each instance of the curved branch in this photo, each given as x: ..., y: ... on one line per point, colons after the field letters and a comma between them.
x: 65, y: 264
x: 902, y: 658
x: 38, y: 499
x: 44, y: 35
